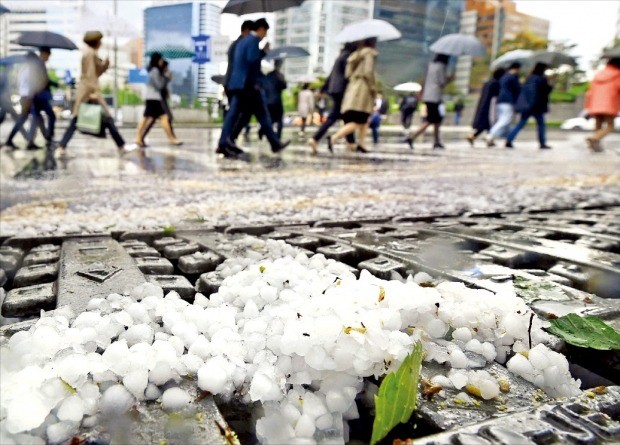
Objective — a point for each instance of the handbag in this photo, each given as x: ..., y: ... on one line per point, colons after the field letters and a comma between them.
x: 89, y: 118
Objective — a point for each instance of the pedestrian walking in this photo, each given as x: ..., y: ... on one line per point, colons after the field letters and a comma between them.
x: 335, y: 85
x: 459, y: 105
x: 245, y: 87
x: 156, y: 106
x: 486, y: 110
x: 32, y: 79
x: 359, y: 97
x: 305, y: 106
x: 41, y: 103
x: 509, y: 89
x: 273, y: 85
x: 407, y: 108
x: 533, y: 101
x: 88, y: 91
x: 6, y: 106
x: 436, y: 80
x: 246, y: 28
x: 603, y: 102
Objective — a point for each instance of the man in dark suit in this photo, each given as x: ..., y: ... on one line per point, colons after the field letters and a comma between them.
x: 246, y: 27
x: 244, y: 86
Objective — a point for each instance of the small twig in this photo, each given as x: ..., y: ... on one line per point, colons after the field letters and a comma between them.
x: 529, y: 330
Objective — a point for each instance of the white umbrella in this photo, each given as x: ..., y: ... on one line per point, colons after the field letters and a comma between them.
x: 518, y: 55
x: 458, y: 45
x: 409, y: 87
x: 367, y: 29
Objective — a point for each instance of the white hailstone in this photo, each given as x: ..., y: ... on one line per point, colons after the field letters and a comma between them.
x: 61, y: 432
x: 443, y: 381
x: 89, y: 393
x: 305, y: 426
x: 313, y: 406
x: 337, y: 402
x: 520, y: 365
x: 73, y: 369
x: 458, y: 359
x: 274, y: 429
x: 146, y: 290
x: 212, y: 376
x: 422, y: 277
x: 264, y: 388
x: 26, y: 412
x: 462, y: 334
x: 175, y: 399
x: 161, y: 373
x: 538, y: 358
x: 192, y: 363
x: 486, y: 384
x: 488, y: 350
x: 152, y: 392
x: 138, y: 333
x: 71, y: 409
x: 290, y: 412
x: 324, y: 422
x: 116, y: 400
x: 136, y: 382
x: 458, y: 379
x: 474, y: 345
x: 138, y: 312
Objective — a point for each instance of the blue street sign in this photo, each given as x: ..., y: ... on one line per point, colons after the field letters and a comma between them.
x: 137, y: 76
x: 202, y: 49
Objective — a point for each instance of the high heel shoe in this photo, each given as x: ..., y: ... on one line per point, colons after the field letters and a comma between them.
x: 330, y: 144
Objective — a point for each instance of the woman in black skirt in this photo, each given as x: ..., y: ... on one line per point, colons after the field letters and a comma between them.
x: 155, y: 87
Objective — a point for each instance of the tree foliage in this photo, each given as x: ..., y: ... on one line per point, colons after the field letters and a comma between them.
x: 524, y: 40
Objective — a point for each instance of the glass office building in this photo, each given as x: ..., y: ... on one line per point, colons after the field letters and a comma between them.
x: 174, y: 25
x: 421, y: 23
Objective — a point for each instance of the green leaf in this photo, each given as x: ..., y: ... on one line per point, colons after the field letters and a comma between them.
x: 169, y: 230
x: 397, y: 396
x: 586, y: 332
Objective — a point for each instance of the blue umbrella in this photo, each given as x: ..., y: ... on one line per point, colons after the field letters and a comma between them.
x: 286, y: 52
x: 4, y: 10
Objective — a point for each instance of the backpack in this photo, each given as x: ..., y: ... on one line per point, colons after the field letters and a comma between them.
x: 411, y: 103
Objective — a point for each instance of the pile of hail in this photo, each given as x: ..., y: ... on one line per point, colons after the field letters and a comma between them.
x: 297, y: 334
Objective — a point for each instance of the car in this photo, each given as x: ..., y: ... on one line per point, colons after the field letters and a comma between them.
x: 584, y: 124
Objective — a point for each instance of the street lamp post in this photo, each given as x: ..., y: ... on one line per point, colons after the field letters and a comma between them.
x: 496, y: 32
x: 115, y: 94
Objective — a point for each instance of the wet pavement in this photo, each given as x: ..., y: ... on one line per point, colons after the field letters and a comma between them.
x: 95, y: 190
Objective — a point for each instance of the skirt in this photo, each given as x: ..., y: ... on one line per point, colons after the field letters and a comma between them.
x: 356, y: 117
x: 433, y: 116
x: 154, y: 109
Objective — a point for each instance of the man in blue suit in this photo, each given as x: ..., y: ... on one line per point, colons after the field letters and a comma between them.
x: 247, y: 96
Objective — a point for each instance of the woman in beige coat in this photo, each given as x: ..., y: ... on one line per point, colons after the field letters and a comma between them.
x: 89, y: 91
x: 359, y: 97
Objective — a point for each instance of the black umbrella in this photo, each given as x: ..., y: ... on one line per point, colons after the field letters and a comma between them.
x: 4, y: 10
x: 44, y: 38
x: 241, y: 7
x: 553, y: 58
x: 287, y: 52
x: 219, y: 79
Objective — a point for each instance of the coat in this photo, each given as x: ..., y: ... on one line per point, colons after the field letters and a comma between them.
x: 436, y: 80
x: 534, y: 95
x: 273, y: 85
x: 336, y: 82
x: 231, y: 61
x: 482, y: 118
x: 305, y: 103
x: 603, y: 97
x: 246, y: 70
x: 362, y: 87
x: 88, y: 89
x: 509, y: 89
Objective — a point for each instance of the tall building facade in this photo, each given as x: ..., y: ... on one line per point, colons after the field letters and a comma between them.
x: 175, y: 24
x: 313, y: 26
x: 43, y: 16
x: 421, y: 22
x: 492, y: 21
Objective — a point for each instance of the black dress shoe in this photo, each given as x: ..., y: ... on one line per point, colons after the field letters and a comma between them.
x: 509, y: 145
x: 234, y: 147
x: 280, y: 147
x: 32, y: 146
x: 361, y: 149
x: 438, y: 146
x: 11, y: 145
x: 330, y: 146
x: 545, y: 147
x: 227, y: 152
x: 410, y: 142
